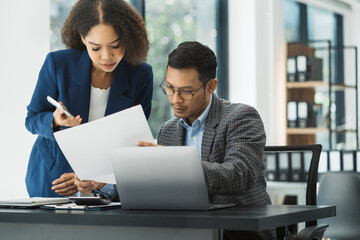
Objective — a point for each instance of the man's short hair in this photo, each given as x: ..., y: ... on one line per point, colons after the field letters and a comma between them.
x: 193, y: 54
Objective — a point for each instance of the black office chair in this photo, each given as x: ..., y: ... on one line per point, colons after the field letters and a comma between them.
x: 343, y: 190
x: 299, y: 154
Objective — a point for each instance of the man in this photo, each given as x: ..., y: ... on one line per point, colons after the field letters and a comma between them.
x: 230, y: 137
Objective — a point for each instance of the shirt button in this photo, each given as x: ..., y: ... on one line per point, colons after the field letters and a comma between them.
x: 194, y: 138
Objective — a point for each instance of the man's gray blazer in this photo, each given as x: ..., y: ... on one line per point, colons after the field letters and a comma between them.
x: 232, y: 152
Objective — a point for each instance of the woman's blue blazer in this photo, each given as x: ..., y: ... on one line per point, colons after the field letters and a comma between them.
x: 66, y: 77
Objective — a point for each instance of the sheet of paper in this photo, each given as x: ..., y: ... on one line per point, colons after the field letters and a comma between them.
x: 87, y: 146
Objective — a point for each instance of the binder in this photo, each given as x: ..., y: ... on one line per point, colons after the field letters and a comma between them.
x: 357, y: 161
x: 334, y: 161
x: 307, y: 114
x: 291, y: 69
x: 284, y: 167
x: 323, y: 162
x: 295, y: 160
x: 270, y: 166
x: 302, y: 114
x: 348, y: 161
x: 309, y: 68
x: 292, y: 114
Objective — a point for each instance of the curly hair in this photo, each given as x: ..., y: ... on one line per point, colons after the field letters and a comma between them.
x: 127, y: 22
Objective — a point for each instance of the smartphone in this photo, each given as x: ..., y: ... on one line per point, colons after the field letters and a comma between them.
x: 58, y: 105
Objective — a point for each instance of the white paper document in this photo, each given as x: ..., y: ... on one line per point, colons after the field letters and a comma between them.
x: 87, y: 146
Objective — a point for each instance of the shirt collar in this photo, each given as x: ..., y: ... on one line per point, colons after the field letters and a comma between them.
x: 200, y: 119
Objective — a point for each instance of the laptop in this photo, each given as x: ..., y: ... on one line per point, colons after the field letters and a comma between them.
x: 168, y: 178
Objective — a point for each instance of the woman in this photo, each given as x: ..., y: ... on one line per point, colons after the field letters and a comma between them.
x: 101, y: 72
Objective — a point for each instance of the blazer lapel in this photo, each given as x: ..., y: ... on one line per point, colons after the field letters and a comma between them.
x: 209, y: 134
x: 178, y: 139
x: 120, y: 85
x: 79, y: 90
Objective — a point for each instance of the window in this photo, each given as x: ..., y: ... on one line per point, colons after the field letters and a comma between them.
x: 292, y: 21
x: 169, y: 23
x: 59, y: 10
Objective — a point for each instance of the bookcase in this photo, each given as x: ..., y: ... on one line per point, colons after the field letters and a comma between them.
x: 321, y: 100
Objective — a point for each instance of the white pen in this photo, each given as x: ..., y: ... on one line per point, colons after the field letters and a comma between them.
x: 58, y: 105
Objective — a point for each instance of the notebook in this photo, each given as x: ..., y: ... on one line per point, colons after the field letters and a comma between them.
x: 169, y: 178
x: 32, y: 202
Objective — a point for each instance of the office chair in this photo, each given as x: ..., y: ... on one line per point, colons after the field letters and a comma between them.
x: 343, y: 190
x: 312, y: 231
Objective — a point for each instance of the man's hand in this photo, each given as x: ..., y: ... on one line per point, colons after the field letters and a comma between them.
x: 65, y: 184
x: 87, y: 186
x: 146, y: 144
x: 61, y: 119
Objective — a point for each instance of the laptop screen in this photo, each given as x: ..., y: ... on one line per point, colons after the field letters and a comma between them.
x: 160, y: 178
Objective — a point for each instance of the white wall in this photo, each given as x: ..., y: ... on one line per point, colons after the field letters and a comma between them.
x: 257, y: 56
x: 24, y: 43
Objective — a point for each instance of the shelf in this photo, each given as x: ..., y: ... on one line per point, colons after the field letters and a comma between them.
x: 307, y: 84
x: 306, y: 131
x: 327, y: 91
x: 342, y: 131
x: 318, y: 84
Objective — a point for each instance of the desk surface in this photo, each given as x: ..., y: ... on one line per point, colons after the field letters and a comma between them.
x: 237, y: 218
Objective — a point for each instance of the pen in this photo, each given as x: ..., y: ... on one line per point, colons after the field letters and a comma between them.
x: 58, y: 105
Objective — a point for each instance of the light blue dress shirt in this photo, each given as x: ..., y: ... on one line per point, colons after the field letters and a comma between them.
x: 194, y: 133
x: 108, y: 190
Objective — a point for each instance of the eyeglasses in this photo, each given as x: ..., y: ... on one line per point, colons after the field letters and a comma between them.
x: 186, y: 95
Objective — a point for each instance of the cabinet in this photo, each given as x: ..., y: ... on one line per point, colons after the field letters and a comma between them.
x: 332, y: 101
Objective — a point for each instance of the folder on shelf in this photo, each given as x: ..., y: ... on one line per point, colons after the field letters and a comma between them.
x: 270, y: 159
x: 302, y: 114
x: 308, y: 68
x: 295, y: 159
x: 291, y: 69
x: 323, y: 163
x: 284, y: 167
x: 348, y: 160
x: 357, y: 161
x: 292, y: 114
x: 334, y: 161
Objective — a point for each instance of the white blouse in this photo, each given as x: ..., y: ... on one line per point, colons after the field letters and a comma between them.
x: 98, y: 101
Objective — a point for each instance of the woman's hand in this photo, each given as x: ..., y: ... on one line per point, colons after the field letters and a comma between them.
x: 61, y: 119
x: 87, y: 186
x: 65, y: 184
